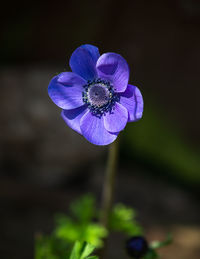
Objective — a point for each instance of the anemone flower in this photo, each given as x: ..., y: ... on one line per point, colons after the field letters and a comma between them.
x: 96, y: 99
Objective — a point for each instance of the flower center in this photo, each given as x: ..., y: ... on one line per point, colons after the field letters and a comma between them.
x: 99, y: 96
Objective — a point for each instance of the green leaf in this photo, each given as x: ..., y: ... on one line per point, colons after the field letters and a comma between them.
x: 84, y: 208
x: 122, y: 218
x: 82, y: 250
x: 67, y: 229
x: 75, y: 254
x: 88, y: 249
x: 159, y: 244
x: 50, y: 247
x: 94, y: 234
x: 70, y: 230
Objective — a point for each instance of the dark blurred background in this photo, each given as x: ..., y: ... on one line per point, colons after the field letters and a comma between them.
x: 44, y: 164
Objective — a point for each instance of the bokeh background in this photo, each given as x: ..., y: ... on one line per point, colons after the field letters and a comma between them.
x: 44, y: 164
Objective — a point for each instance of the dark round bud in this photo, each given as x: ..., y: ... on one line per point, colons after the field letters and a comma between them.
x: 137, y: 246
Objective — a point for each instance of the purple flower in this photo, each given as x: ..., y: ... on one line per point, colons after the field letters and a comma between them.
x: 96, y: 99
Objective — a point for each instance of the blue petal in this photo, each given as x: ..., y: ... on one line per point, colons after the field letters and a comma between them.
x: 132, y: 100
x: 73, y: 117
x: 83, y: 61
x: 116, y: 120
x: 114, y: 68
x: 66, y: 89
x: 94, y: 51
x: 92, y: 128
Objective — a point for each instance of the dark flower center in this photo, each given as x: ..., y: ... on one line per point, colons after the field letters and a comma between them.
x: 99, y: 96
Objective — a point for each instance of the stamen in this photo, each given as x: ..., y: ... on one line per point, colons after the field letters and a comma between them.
x: 99, y: 96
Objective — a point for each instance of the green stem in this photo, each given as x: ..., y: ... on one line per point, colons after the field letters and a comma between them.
x: 109, y: 182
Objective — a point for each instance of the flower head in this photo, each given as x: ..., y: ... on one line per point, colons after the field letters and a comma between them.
x: 137, y: 246
x: 96, y: 99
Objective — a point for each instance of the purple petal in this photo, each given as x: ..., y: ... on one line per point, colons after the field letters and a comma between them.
x: 114, y: 68
x: 66, y: 89
x: 73, y: 117
x: 93, y: 51
x: 69, y: 78
x: 92, y: 128
x: 83, y: 61
x: 133, y: 101
x: 117, y: 119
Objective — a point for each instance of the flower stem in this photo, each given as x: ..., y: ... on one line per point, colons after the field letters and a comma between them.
x: 109, y: 182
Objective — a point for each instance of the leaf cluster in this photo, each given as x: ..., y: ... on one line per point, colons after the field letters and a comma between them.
x: 82, y: 250
x: 77, y: 235
x: 79, y: 226
x: 122, y: 219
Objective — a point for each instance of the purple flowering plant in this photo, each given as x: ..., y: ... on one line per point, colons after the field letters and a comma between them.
x: 97, y: 102
x: 96, y: 99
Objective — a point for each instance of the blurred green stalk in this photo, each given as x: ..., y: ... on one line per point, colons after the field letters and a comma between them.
x: 108, y: 185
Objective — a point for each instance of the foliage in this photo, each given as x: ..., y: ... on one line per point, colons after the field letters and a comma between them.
x: 76, y: 236
x: 82, y: 250
x: 159, y: 244
x: 81, y: 227
x: 152, y: 253
x: 122, y: 219
x: 49, y: 247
